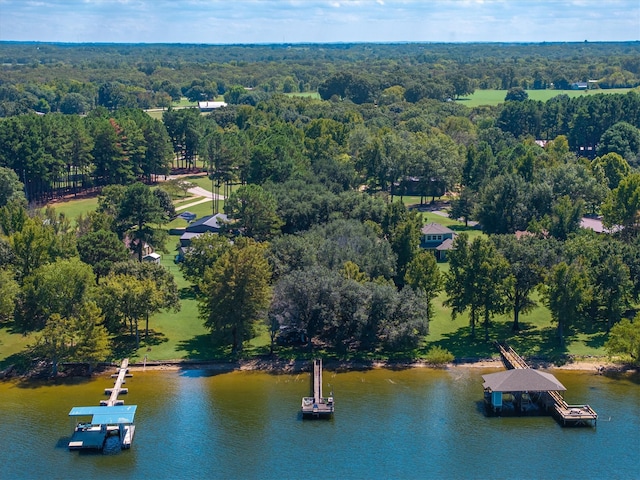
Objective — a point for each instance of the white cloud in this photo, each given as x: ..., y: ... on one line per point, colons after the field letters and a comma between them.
x: 249, y: 21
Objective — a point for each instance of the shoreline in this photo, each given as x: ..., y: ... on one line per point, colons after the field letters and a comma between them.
x: 595, y: 365
x: 276, y: 366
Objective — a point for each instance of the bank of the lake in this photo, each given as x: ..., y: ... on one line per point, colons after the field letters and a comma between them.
x: 407, y: 423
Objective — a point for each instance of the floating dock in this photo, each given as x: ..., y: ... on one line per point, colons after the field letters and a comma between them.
x: 110, y: 418
x: 523, y: 390
x: 317, y: 406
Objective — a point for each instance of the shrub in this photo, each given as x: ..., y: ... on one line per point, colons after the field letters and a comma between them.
x: 439, y: 356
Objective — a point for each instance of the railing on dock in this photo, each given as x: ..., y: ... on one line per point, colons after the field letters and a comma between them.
x: 567, y: 414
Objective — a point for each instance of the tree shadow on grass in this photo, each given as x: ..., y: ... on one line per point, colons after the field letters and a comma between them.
x: 12, y: 328
x: 124, y: 346
x: 187, y: 293
x: 597, y: 341
x: 528, y: 342
x: 538, y: 343
x: 154, y: 338
x: 201, y: 347
x: 463, y: 346
x: 463, y: 228
x: 20, y: 362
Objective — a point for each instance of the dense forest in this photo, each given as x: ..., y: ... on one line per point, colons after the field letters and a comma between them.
x: 72, y: 78
x: 319, y: 241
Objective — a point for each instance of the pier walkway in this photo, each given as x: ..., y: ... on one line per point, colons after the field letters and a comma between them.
x: 317, y: 405
x: 565, y: 413
x: 123, y: 372
x: 111, y: 418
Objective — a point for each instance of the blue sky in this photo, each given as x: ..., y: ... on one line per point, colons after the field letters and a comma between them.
x: 294, y: 21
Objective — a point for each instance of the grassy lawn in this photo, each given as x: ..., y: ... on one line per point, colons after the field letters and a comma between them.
x: 76, y: 207
x: 494, y: 97
x: 314, y: 95
x: 173, y: 335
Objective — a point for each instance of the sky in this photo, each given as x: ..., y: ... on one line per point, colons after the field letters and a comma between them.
x: 318, y: 21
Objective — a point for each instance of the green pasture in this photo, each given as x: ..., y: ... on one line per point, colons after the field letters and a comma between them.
x: 495, y: 97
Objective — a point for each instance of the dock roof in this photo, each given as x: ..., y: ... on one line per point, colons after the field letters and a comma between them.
x: 522, y: 380
x: 106, y: 415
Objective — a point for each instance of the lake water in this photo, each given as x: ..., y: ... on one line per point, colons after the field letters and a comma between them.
x: 409, y: 424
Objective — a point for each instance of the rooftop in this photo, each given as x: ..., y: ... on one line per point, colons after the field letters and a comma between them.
x: 522, y: 380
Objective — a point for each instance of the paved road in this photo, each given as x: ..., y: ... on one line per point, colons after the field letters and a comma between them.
x: 203, y: 192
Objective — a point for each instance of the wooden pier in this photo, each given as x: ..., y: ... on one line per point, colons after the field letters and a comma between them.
x: 111, y: 418
x: 317, y: 406
x: 567, y: 415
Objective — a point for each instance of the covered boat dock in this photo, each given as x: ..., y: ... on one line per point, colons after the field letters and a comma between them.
x: 522, y: 389
x: 111, y: 418
x: 518, y: 390
x: 105, y: 421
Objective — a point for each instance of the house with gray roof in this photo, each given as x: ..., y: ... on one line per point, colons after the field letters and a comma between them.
x: 208, y: 224
x: 438, y: 239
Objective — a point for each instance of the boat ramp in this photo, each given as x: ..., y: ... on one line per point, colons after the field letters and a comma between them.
x: 317, y: 405
x: 523, y: 390
x: 110, y: 418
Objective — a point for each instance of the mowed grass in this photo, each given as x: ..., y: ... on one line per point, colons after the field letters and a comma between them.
x: 494, y: 97
x: 72, y: 209
x: 174, y: 335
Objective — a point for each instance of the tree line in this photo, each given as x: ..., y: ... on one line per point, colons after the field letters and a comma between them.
x: 77, y: 78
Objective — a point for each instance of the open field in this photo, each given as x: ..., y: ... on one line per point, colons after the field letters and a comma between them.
x: 73, y: 208
x: 494, y: 97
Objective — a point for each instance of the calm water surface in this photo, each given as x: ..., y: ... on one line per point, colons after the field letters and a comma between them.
x: 411, y: 424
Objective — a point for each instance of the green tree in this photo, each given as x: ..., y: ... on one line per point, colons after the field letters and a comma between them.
x: 11, y: 188
x: 463, y: 205
x: 623, y: 139
x: 405, y: 243
x: 9, y: 290
x: 423, y: 274
x: 236, y: 293
x: 91, y: 342
x: 125, y: 300
x: 203, y: 252
x: 101, y: 249
x: 565, y: 217
x: 60, y: 287
x: 516, y: 94
x: 612, y: 288
x: 476, y: 280
x: 615, y: 168
x: 622, y: 206
x: 624, y: 339
x: 13, y: 217
x: 54, y: 342
x: 566, y: 292
x: 254, y: 209
x: 138, y: 210
x: 528, y: 259
x: 34, y: 245
x: 167, y: 297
